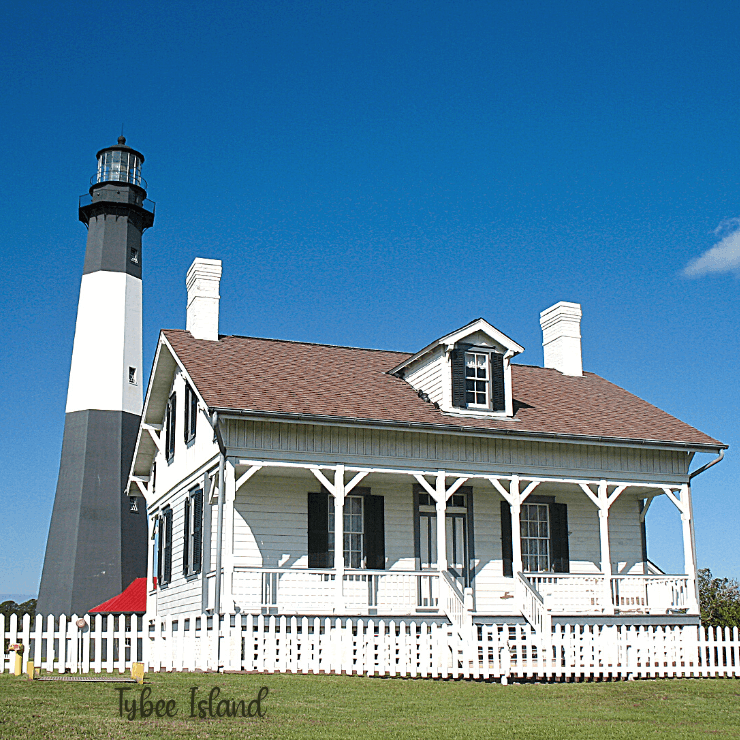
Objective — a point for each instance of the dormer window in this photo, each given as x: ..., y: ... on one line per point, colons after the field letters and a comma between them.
x: 476, y: 379
x: 466, y: 372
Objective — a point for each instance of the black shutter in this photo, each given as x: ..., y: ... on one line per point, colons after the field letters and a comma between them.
x: 498, y: 399
x: 197, y: 503
x: 507, y: 550
x: 318, y: 531
x: 167, y: 416
x: 160, y: 551
x: 167, y: 575
x: 186, y: 539
x: 173, y: 422
x: 457, y: 358
x: 170, y: 427
x: 374, y: 533
x: 193, y: 413
x: 559, y: 538
x: 186, y: 425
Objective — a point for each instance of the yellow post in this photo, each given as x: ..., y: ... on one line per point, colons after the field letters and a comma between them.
x: 29, y: 670
x: 18, y: 663
x: 137, y: 672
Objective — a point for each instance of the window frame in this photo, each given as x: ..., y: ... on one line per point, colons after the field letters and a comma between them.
x: 349, y: 533
x: 475, y: 353
x: 191, y: 413
x: 538, y: 538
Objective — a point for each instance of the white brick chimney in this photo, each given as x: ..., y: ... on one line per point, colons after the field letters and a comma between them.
x: 203, y: 281
x: 561, y: 337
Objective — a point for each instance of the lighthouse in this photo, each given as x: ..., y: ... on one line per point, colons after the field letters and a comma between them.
x: 97, y: 538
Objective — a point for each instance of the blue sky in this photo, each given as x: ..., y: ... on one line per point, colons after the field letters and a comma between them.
x: 377, y: 174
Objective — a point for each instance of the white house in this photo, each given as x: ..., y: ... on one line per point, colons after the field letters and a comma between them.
x: 302, y: 479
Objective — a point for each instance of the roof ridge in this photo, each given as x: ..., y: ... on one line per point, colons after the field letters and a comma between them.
x: 297, y: 341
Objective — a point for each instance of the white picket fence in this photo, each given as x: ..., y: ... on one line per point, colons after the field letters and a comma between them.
x: 367, y: 646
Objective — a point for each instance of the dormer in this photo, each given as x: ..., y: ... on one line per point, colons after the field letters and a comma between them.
x: 467, y: 372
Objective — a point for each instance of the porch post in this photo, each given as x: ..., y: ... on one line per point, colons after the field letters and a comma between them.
x: 339, y: 538
x: 606, y: 560
x: 229, y: 501
x: 689, y: 552
x: 516, y: 530
x: 150, y: 574
x: 441, y: 505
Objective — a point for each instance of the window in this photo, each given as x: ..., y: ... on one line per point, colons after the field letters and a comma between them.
x: 133, y: 504
x: 192, y: 547
x: 134, y: 256
x: 164, y: 547
x: 534, y: 525
x: 476, y: 379
x: 364, y: 530
x: 170, y: 425
x: 354, y: 550
x: 191, y: 412
x: 132, y: 375
x: 543, y: 533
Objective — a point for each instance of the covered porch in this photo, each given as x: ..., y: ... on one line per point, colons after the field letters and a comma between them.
x: 431, y: 581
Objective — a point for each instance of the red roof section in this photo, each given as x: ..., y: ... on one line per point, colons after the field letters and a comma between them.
x: 133, y: 599
x: 316, y: 380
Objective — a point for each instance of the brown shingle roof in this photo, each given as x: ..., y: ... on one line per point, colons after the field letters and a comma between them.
x: 317, y: 380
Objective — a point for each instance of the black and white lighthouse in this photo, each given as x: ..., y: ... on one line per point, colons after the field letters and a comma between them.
x: 97, y: 539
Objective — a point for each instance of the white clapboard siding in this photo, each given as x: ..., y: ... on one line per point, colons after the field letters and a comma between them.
x: 428, y: 375
x: 383, y: 447
x: 194, y: 455
x: 271, y: 521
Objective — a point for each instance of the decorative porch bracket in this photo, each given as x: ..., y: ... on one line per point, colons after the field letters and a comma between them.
x: 339, y: 490
x: 603, y: 501
x: 683, y: 504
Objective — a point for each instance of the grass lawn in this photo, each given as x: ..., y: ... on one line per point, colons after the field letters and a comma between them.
x: 353, y: 707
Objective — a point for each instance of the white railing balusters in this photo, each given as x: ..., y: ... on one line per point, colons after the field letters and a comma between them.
x: 532, y: 605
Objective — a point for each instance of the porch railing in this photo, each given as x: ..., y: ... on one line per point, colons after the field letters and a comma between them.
x: 301, y: 590
x: 453, y: 604
x: 532, y: 605
x: 571, y: 593
x: 567, y: 593
x: 656, y: 594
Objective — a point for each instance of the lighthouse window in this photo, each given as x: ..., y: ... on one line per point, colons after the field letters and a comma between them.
x: 119, y: 166
x: 132, y: 375
x: 135, y: 256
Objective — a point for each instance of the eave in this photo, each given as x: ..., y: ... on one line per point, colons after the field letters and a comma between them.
x: 454, y: 429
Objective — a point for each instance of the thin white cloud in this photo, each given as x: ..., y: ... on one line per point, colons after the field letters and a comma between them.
x: 724, y: 256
